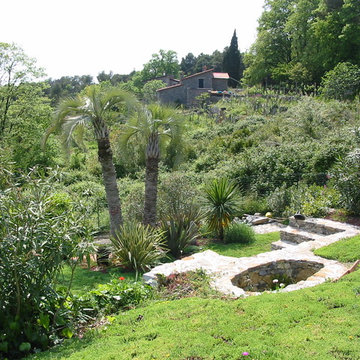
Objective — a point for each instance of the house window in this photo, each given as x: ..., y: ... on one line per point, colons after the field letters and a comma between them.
x: 201, y: 83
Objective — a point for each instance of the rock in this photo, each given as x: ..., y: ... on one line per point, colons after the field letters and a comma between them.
x: 256, y: 220
x: 260, y: 220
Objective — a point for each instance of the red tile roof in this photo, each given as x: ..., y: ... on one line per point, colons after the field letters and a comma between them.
x: 218, y: 75
x: 197, y: 74
x: 169, y: 87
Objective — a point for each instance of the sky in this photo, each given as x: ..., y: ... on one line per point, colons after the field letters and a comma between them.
x: 80, y: 37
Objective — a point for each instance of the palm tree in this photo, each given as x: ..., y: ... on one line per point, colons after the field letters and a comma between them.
x: 94, y: 106
x: 155, y: 125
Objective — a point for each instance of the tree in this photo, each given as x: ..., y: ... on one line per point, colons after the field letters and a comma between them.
x: 149, y: 90
x: 67, y: 86
x: 162, y: 63
x: 188, y: 63
x: 155, y: 125
x: 95, y: 107
x: 342, y: 83
x: 16, y: 68
x: 232, y: 62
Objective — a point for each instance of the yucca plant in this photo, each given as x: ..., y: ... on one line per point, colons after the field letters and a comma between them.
x: 138, y: 247
x: 181, y: 229
x: 222, y: 199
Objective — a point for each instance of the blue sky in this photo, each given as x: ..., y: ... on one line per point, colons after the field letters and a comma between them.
x: 77, y: 37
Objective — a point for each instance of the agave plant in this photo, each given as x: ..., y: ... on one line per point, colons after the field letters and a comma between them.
x: 138, y: 247
x: 222, y: 204
x: 181, y: 229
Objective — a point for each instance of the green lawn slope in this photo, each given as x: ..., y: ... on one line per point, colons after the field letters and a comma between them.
x: 318, y: 323
x: 347, y: 250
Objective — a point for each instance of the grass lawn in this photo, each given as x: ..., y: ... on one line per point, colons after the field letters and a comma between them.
x: 261, y: 244
x: 347, y: 250
x: 86, y: 279
x: 319, y: 323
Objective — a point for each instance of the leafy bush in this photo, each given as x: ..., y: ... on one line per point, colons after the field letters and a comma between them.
x: 279, y: 200
x: 252, y: 204
x: 346, y: 179
x: 312, y: 200
x: 33, y: 246
x: 138, y: 247
x: 342, y: 83
x: 177, y: 194
x: 117, y: 295
x: 180, y: 230
x: 239, y: 233
x: 222, y: 204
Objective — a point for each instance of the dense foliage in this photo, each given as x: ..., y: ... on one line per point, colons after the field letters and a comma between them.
x: 36, y: 236
x: 299, y: 41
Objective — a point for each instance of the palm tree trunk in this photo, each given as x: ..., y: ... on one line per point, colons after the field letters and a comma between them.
x: 111, y: 189
x: 151, y: 179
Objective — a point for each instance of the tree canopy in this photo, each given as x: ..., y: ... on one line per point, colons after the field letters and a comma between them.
x: 299, y: 41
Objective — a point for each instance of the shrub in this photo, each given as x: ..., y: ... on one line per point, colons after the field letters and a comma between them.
x: 312, y: 200
x: 222, y: 204
x: 342, y: 83
x: 239, y: 233
x: 33, y: 246
x: 346, y: 179
x: 177, y: 194
x: 138, y: 247
x: 180, y: 230
x: 252, y: 204
x: 117, y: 295
x: 279, y: 200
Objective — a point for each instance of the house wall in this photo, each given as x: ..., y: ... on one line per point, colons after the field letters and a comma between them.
x: 175, y: 95
x: 192, y: 94
x: 187, y: 93
x: 220, y: 84
x: 193, y: 81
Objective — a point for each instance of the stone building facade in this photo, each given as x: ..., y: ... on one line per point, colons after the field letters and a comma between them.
x: 192, y: 86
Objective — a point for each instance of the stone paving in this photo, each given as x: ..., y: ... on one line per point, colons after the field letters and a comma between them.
x: 224, y: 269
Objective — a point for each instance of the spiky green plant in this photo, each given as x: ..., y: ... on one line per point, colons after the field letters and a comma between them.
x: 222, y: 199
x: 138, y: 247
x: 181, y: 229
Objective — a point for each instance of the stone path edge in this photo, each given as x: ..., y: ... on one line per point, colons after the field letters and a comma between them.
x: 223, y: 269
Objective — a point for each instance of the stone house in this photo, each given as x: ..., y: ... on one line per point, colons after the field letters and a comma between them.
x: 189, y: 87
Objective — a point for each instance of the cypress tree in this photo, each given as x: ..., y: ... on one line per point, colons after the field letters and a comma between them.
x: 232, y: 63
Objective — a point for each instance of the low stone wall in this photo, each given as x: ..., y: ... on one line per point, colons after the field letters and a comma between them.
x: 261, y: 278
x: 316, y: 226
x: 223, y: 269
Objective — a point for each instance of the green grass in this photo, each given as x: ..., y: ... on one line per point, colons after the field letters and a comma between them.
x: 319, y: 323
x: 86, y: 279
x: 347, y: 250
x: 261, y: 244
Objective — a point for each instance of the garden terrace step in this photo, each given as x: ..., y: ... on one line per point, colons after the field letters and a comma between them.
x: 280, y: 244
x: 297, y: 236
x: 317, y: 226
